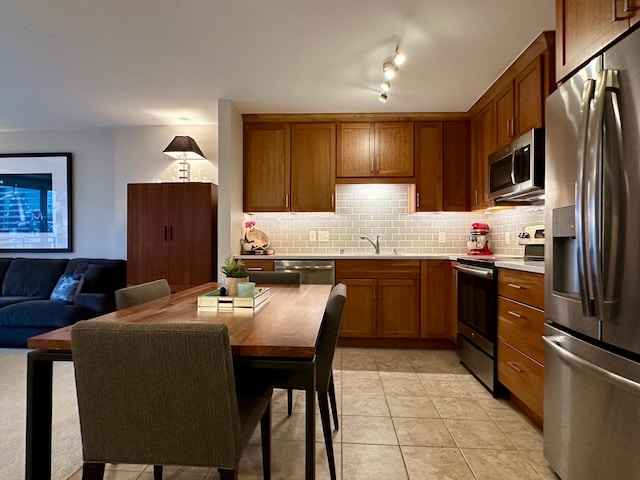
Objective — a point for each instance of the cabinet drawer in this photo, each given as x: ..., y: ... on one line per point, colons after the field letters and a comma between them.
x: 377, y: 269
x: 523, y: 376
x: 258, y: 265
x: 521, y: 325
x: 523, y: 287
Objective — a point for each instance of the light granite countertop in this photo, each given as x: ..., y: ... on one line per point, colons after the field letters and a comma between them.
x: 501, y: 261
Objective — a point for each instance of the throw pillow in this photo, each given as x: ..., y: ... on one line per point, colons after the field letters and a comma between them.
x: 67, y: 288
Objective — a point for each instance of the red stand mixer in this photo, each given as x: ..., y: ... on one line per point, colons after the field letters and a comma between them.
x: 477, y: 243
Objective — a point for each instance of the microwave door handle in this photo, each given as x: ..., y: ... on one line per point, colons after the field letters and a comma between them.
x: 513, y: 168
x: 581, y: 197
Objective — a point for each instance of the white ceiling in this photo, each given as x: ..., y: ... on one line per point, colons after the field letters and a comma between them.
x: 68, y: 64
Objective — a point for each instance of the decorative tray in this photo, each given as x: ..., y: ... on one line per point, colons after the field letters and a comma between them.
x: 258, y: 238
x: 215, y: 300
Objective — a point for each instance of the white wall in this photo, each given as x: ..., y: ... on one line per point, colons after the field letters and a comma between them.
x: 230, y: 216
x: 103, y: 162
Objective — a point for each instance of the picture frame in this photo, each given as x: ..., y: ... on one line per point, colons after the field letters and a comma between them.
x: 35, y: 202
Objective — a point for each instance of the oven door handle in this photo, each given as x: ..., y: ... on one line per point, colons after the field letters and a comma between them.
x: 476, y: 272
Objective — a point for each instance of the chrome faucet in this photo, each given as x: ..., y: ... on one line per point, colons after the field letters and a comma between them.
x: 374, y: 245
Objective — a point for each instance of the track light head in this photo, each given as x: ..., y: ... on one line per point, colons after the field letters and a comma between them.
x: 385, y: 86
x: 383, y: 97
x: 389, y: 69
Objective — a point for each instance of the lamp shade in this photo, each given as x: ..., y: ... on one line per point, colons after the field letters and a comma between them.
x: 184, y: 148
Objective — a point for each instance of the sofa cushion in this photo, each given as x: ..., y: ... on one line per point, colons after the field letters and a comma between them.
x: 4, y: 301
x: 67, y: 288
x: 100, y: 275
x: 4, y: 266
x: 42, y: 313
x: 33, y: 277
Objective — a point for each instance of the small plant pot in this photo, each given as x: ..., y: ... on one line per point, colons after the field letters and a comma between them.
x: 231, y: 284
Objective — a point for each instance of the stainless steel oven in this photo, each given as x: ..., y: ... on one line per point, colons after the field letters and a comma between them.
x: 477, y: 319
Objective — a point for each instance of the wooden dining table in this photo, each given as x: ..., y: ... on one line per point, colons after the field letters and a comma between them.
x: 281, y: 333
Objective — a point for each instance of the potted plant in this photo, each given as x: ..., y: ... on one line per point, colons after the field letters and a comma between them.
x: 236, y: 273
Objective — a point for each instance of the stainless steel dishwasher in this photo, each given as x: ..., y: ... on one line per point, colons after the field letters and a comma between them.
x: 311, y: 271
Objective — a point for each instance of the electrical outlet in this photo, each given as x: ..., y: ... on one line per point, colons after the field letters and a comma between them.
x: 323, y: 236
x: 507, y: 240
x: 312, y: 236
x: 442, y: 237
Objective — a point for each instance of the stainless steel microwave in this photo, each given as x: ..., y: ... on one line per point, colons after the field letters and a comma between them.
x: 516, y: 172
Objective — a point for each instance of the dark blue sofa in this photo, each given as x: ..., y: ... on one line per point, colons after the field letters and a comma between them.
x: 25, y: 306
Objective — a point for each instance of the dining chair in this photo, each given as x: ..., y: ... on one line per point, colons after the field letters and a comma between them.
x: 282, y: 278
x: 142, y: 293
x: 164, y: 394
x: 325, y: 388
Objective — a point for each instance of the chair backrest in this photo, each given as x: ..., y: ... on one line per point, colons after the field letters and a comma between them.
x: 142, y: 293
x: 156, y: 393
x: 329, y: 335
x: 283, y: 278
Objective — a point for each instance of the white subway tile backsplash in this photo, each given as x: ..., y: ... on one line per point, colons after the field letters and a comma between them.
x: 383, y: 210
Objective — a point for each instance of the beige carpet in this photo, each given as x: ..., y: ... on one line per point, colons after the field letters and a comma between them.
x: 66, y: 444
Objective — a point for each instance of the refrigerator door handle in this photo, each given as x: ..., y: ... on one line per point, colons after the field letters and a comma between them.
x: 584, y: 275
x: 599, y: 251
x: 553, y: 342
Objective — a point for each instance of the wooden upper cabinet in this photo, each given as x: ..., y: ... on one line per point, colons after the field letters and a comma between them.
x: 356, y: 150
x: 455, y: 168
x: 505, y: 116
x: 529, y: 97
x: 374, y: 149
x: 482, y: 144
x: 313, y: 167
x: 394, y: 149
x: 429, y: 167
x: 289, y: 167
x: 585, y: 27
x: 267, y: 159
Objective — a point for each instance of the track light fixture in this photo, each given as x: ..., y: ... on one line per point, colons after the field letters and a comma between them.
x: 390, y: 70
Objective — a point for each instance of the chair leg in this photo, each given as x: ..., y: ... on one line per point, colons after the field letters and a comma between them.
x: 265, y: 432
x: 92, y: 471
x: 289, y: 401
x: 323, y: 404
x: 157, y: 472
x: 332, y: 398
x: 228, y: 474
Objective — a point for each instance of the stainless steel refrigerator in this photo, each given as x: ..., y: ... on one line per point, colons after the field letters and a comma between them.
x: 592, y: 269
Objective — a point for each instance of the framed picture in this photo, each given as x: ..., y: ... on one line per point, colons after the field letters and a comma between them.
x: 35, y: 202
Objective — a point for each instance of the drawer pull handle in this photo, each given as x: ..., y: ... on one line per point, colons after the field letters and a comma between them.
x: 514, y: 285
x: 516, y: 367
x: 254, y: 269
x: 514, y: 314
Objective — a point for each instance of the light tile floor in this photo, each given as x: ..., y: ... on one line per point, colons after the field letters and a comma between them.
x: 404, y: 414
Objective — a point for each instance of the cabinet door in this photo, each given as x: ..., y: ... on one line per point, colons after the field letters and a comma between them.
x: 398, y: 308
x: 394, y: 149
x: 529, y: 97
x: 436, y: 299
x: 505, y: 113
x: 482, y: 144
x: 313, y: 167
x: 428, y: 164
x: 584, y: 27
x: 147, y: 232
x: 267, y: 167
x: 191, y: 235
x: 360, y: 312
x: 456, y: 166
x: 356, y: 147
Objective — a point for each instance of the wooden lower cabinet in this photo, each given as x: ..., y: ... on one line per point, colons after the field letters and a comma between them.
x: 399, y: 308
x: 359, y: 318
x: 436, y: 314
x: 258, y: 265
x: 383, y: 298
x: 520, y: 327
x: 397, y: 299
